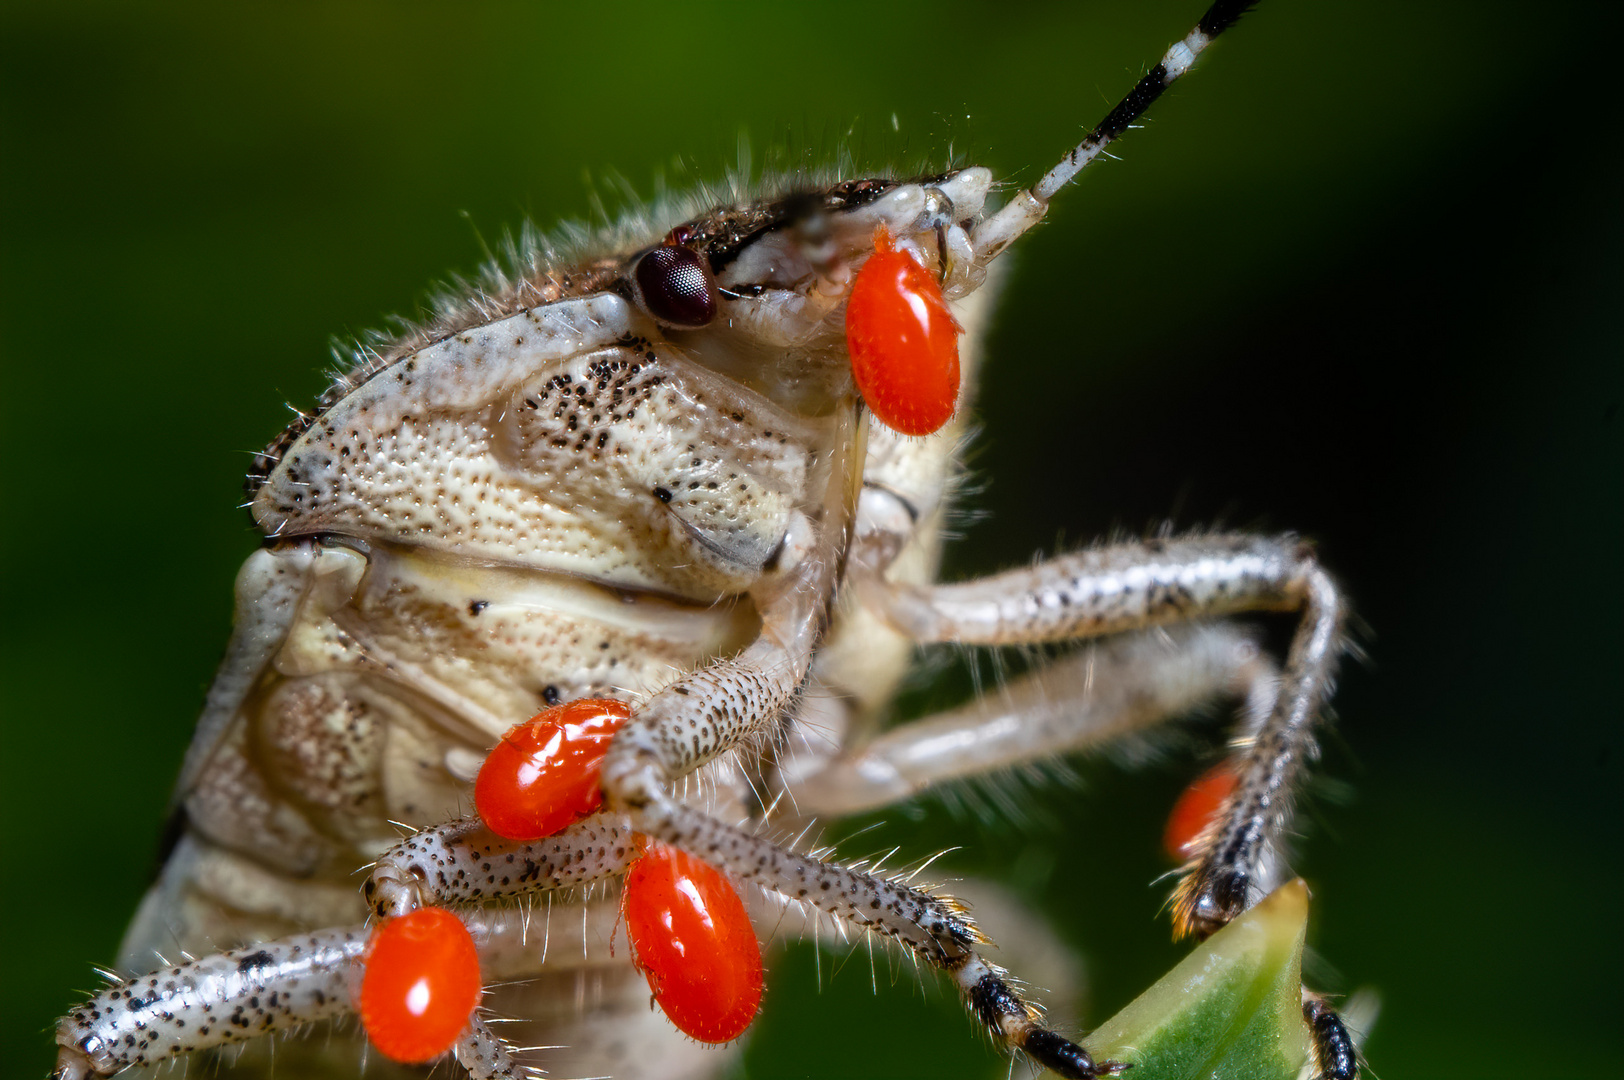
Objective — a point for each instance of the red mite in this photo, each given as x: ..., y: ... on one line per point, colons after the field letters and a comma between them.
x: 420, y: 983
x: 694, y: 943
x: 687, y: 926
x: 543, y: 775
x: 903, y: 340
x: 1196, y: 808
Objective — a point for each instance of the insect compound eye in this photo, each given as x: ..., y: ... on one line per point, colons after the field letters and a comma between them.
x: 677, y: 286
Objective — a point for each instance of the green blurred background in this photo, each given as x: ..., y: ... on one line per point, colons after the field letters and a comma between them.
x: 1358, y: 276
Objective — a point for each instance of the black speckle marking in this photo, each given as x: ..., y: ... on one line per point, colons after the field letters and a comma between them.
x: 254, y: 960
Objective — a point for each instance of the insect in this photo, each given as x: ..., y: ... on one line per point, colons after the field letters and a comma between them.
x: 645, y: 474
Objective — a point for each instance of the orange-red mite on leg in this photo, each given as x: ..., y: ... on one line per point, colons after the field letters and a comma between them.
x: 903, y: 341
x: 543, y: 775
x: 419, y: 986
x: 694, y: 943
x: 1196, y: 809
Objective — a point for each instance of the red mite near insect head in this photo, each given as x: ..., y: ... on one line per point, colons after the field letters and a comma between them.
x: 903, y: 340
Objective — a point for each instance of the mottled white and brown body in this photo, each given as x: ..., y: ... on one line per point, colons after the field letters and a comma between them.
x: 589, y: 482
x: 565, y: 502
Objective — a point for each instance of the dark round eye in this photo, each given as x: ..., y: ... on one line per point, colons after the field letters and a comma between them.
x: 677, y: 286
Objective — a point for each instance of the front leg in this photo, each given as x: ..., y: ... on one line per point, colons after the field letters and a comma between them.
x: 741, y: 702
x: 1135, y: 586
x: 934, y: 928
x: 1156, y: 583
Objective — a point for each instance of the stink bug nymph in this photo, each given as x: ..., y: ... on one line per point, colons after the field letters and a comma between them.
x: 658, y: 506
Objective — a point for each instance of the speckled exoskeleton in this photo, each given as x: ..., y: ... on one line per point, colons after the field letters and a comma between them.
x: 640, y: 469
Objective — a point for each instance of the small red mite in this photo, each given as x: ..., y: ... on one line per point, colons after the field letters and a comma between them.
x: 688, y: 928
x: 1196, y: 808
x: 543, y: 775
x: 419, y: 985
x: 903, y: 340
x: 693, y: 942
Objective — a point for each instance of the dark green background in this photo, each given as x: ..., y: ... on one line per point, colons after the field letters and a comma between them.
x: 1359, y: 276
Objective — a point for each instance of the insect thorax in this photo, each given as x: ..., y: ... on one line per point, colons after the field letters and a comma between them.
x: 550, y: 493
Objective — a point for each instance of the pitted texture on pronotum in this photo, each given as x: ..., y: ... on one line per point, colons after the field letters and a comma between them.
x: 543, y: 775
x: 904, y: 342
x: 420, y: 985
x: 554, y: 463
x: 694, y: 943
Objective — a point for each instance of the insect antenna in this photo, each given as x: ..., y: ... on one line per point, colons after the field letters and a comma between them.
x: 997, y: 232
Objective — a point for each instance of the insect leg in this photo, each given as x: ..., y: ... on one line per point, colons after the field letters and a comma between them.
x: 218, y: 1000
x: 463, y: 863
x: 483, y: 1053
x: 230, y: 998
x: 1107, y: 691
x: 1336, y: 1053
x: 1158, y: 583
x: 1130, y: 587
x: 235, y: 996
x: 742, y: 699
x: 934, y: 928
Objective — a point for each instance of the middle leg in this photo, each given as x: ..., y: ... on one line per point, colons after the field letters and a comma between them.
x: 1109, y: 691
